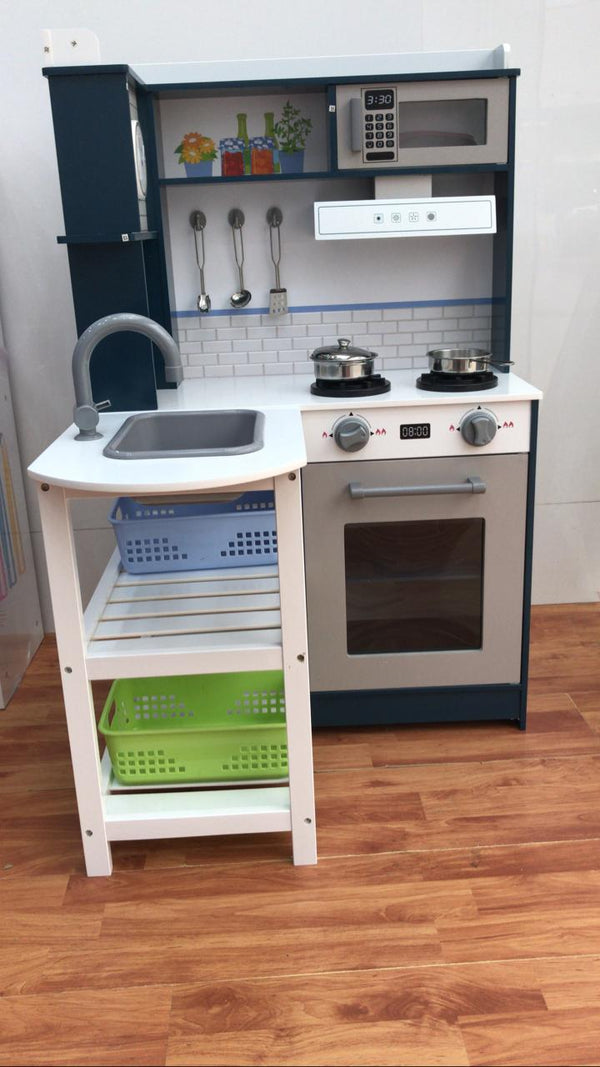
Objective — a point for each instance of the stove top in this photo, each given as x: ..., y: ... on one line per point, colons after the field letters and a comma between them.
x: 442, y: 382
x: 351, y: 387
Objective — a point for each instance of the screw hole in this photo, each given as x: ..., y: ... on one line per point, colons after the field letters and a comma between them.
x: 89, y: 833
x: 292, y: 477
x: 300, y: 658
x: 68, y: 670
x: 309, y: 821
x: 44, y: 487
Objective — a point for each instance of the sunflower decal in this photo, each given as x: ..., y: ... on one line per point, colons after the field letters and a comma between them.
x: 195, y: 148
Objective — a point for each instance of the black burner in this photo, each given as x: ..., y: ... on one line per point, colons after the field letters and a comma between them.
x: 440, y: 382
x: 370, y: 386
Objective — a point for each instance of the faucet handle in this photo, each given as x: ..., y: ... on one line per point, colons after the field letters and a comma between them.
x: 103, y: 405
x: 86, y: 419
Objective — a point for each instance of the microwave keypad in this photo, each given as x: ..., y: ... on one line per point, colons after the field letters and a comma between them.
x: 379, y: 125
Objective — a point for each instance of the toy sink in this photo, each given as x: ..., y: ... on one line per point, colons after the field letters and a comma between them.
x: 160, y: 434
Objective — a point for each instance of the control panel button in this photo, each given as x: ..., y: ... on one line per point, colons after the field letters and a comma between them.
x: 390, y: 115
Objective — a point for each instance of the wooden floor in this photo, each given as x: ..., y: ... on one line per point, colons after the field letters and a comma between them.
x: 453, y: 918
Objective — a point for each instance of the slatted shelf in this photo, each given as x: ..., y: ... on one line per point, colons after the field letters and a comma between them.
x: 192, y: 615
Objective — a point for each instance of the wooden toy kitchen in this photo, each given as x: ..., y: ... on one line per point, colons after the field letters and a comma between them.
x: 282, y: 268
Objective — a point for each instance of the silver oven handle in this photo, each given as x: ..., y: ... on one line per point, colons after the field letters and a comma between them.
x: 471, y: 485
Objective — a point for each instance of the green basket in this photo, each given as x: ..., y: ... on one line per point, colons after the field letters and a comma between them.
x: 197, y: 728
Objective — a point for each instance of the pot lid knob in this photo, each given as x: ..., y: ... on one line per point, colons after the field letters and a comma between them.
x: 344, y: 342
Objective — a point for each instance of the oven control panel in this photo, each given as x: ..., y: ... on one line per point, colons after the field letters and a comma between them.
x: 412, y: 432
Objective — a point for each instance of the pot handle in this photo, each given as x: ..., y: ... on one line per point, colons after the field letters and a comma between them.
x: 471, y: 485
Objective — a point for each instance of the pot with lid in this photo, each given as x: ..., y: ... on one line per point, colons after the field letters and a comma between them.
x: 335, y: 363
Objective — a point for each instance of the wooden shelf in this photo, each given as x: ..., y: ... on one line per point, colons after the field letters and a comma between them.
x: 107, y: 238
x: 183, y: 622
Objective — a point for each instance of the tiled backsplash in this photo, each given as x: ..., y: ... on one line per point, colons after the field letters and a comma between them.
x: 221, y: 345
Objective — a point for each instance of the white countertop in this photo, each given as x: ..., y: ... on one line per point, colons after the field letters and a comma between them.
x: 82, y: 465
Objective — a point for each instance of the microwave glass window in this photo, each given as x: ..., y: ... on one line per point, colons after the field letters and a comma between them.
x: 414, y: 586
x: 442, y: 123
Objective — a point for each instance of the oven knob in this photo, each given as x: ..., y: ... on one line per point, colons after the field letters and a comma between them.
x: 479, y: 427
x: 351, y: 433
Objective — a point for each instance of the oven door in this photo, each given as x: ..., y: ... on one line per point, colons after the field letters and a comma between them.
x: 415, y: 571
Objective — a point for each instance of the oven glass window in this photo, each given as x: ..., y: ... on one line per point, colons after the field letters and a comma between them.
x: 442, y: 123
x: 414, y: 586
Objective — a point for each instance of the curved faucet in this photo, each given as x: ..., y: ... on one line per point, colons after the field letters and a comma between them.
x: 85, y: 412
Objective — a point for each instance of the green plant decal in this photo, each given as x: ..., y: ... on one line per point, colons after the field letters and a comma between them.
x: 292, y: 129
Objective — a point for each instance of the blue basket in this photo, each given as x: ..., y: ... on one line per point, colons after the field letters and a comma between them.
x: 198, y: 536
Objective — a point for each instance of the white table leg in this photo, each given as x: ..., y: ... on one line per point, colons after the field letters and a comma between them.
x: 79, y: 706
x: 288, y: 504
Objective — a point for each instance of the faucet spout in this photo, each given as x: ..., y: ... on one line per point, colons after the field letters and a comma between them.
x: 85, y: 413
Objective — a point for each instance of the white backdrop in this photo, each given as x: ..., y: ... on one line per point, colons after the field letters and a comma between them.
x: 556, y: 322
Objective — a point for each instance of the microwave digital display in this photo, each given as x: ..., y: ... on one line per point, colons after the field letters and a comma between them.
x: 379, y: 98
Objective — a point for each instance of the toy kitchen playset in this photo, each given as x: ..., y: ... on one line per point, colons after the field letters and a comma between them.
x: 330, y: 244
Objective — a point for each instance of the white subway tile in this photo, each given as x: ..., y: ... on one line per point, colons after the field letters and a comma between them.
x: 366, y: 340
x: 227, y: 358
x: 262, y: 357
x: 453, y: 310
x: 403, y: 338
x: 304, y: 368
x: 277, y: 320
x: 202, y: 359
x: 218, y: 372
x: 285, y: 356
x: 189, y: 347
x: 239, y: 320
x: 279, y: 368
x: 442, y: 324
x: 194, y: 372
x: 367, y: 315
x: 397, y: 314
x: 307, y: 344
x: 246, y: 346
x: 318, y: 330
x: 247, y: 369
x: 397, y: 364
x: 337, y: 316
x: 200, y: 335
x: 291, y: 331
x: 408, y: 325
x: 481, y: 322
x: 427, y: 338
x: 420, y: 362
x: 453, y: 337
x: 482, y: 337
x: 433, y: 312
x: 217, y: 346
x: 306, y: 318
x: 390, y: 340
x: 388, y: 351
x: 386, y: 327
x: 261, y: 331
x: 231, y: 333
x: 276, y: 344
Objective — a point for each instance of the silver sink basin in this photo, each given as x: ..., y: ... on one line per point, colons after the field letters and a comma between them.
x: 161, y: 434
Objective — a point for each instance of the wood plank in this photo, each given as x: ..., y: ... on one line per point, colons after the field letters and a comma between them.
x: 121, y: 1026
x: 193, y: 624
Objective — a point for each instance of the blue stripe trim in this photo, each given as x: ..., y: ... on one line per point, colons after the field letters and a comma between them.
x: 373, y: 306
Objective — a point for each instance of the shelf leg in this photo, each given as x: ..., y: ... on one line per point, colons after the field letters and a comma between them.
x: 288, y: 504
x: 77, y: 691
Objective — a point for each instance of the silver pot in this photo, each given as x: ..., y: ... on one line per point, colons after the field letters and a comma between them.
x: 342, y: 361
x: 462, y: 360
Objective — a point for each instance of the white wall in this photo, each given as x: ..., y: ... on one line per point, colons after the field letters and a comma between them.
x: 556, y: 322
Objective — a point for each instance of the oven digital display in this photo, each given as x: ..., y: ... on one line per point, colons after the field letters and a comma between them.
x: 412, y: 431
x: 378, y: 98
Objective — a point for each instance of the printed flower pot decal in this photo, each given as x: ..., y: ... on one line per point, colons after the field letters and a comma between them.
x: 197, y: 152
x: 292, y: 132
